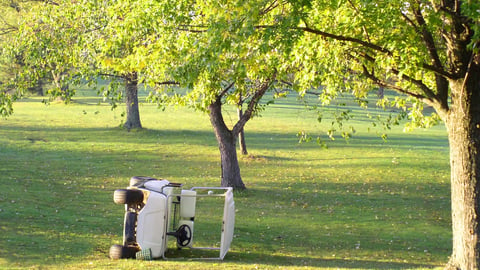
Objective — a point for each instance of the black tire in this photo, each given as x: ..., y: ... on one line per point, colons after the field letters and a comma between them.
x: 122, y: 252
x: 128, y: 196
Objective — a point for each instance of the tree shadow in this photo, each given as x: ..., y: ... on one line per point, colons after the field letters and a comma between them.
x: 306, y: 261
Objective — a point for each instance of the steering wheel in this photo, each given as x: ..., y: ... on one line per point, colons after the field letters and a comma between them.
x: 184, y: 235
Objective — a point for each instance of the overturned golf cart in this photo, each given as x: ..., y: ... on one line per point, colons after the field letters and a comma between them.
x: 158, y: 213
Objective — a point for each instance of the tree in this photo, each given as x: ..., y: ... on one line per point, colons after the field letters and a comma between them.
x: 115, y: 39
x: 227, y: 138
x: 70, y: 44
x: 213, y: 51
x: 425, y: 49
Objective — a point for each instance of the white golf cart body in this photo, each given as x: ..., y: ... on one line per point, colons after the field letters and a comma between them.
x: 165, y: 206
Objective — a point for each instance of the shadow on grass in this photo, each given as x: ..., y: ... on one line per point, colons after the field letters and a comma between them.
x: 289, y: 261
x: 306, y: 261
x: 255, y: 140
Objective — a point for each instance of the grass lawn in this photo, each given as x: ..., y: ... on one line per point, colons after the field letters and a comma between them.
x: 362, y: 204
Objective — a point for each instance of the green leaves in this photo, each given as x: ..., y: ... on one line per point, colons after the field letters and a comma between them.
x: 45, y: 47
x: 471, y: 9
x: 6, y: 106
x: 216, y: 44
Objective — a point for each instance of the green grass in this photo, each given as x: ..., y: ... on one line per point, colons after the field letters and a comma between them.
x: 362, y: 204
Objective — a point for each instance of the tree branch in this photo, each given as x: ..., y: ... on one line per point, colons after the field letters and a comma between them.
x: 441, y: 72
x: 345, y: 38
x: 50, y: 2
x: 271, y: 7
x: 437, y: 67
x: 308, y: 29
x: 253, y: 103
x: 411, y: 22
x: 167, y: 83
x: 383, y: 83
x: 225, y: 90
x: 429, y: 94
x: 192, y: 28
x: 111, y: 75
x: 428, y: 39
x: 7, y: 28
x: 358, y: 14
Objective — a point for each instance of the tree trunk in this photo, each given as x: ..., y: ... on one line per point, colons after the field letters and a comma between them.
x: 227, y: 138
x: 131, y: 100
x: 37, y: 88
x: 381, y: 92
x: 463, y: 125
x: 227, y: 144
x: 241, y: 134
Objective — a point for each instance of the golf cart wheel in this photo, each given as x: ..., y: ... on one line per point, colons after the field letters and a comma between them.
x: 122, y: 252
x: 127, y: 196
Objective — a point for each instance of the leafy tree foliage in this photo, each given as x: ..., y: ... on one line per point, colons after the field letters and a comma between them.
x: 42, y: 49
x: 10, y: 14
